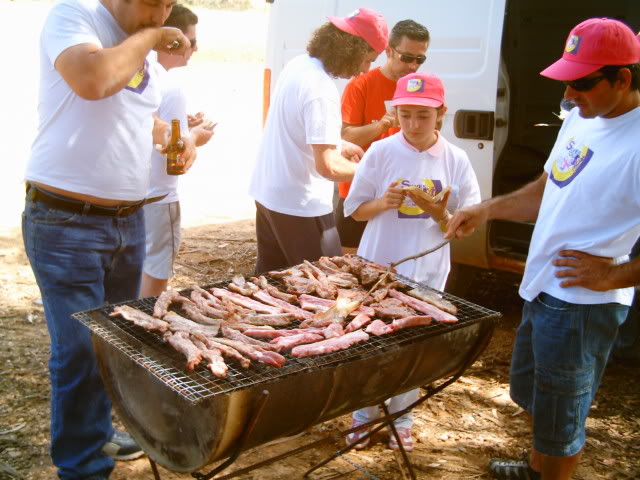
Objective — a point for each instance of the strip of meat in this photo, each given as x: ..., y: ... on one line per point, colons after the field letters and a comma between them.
x: 233, y: 334
x: 161, y: 307
x: 277, y: 320
x: 288, y: 342
x: 181, y: 342
x: 202, y: 304
x: 300, y: 285
x: 378, y: 327
x: 392, y: 308
x: 272, y: 334
x: 261, y: 282
x: 324, y: 288
x: 140, y: 318
x: 357, y: 323
x: 437, y: 314
x: 245, y: 302
x: 255, y: 353
x: 309, y: 302
x: 331, y: 345
x: 265, y: 297
x: 214, y: 358
x: 194, y: 313
x: 289, y: 272
x: 242, y: 327
x: 240, y: 285
x: 226, y: 350
x: 434, y: 299
x: 178, y: 323
x: 414, y: 321
x: 334, y: 330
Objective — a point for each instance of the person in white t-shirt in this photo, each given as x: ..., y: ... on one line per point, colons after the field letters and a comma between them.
x: 577, y: 276
x: 301, y: 153
x: 162, y: 218
x: 398, y: 225
x: 87, y: 179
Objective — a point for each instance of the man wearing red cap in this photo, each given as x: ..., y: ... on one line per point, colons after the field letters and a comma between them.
x: 302, y: 154
x: 572, y: 313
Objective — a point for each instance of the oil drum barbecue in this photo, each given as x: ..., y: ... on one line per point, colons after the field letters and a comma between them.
x: 185, y: 420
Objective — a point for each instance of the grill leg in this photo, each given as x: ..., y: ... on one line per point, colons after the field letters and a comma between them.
x: 154, y: 469
x: 405, y: 458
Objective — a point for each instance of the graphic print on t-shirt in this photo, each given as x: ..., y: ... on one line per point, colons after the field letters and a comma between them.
x: 409, y: 209
x: 140, y: 80
x: 569, y: 163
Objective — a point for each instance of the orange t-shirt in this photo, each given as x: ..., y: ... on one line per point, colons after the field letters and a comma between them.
x: 363, y: 103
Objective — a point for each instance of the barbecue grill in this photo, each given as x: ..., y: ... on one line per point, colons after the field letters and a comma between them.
x: 186, y: 420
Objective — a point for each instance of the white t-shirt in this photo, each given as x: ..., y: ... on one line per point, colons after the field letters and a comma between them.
x: 591, y: 203
x: 305, y: 111
x: 174, y: 105
x: 398, y: 233
x: 95, y: 147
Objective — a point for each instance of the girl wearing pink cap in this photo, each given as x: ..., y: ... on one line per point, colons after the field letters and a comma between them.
x: 399, y: 222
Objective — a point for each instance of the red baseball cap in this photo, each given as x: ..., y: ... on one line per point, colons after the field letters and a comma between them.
x: 419, y: 89
x: 593, y: 44
x: 366, y: 24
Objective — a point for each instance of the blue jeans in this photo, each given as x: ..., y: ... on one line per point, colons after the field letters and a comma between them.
x: 560, y: 353
x: 80, y: 262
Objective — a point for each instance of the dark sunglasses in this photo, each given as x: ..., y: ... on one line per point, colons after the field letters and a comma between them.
x: 410, y: 58
x: 193, y: 41
x: 584, y: 84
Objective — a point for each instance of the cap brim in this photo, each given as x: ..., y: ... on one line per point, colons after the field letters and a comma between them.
x: 343, y: 25
x: 565, y: 70
x: 423, y: 102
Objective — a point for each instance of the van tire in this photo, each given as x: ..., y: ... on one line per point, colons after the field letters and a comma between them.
x: 461, y: 279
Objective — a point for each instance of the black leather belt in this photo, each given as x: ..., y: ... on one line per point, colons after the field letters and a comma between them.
x: 36, y: 194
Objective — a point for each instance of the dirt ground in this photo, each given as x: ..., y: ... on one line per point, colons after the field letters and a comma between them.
x: 457, y: 431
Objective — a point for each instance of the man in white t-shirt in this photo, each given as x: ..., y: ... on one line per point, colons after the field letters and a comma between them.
x: 578, y: 271
x: 87, y: 179
x: 162, y: 218
x: 301, y: 154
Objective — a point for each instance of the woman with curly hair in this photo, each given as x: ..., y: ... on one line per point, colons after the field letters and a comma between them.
x: 302, y: 154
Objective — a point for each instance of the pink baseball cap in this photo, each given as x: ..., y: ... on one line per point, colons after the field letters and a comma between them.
x: 593, y: 44
x: 419, y: 89
x: 366, y: 24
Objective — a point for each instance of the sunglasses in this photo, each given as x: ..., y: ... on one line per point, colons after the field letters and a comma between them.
x: 584, y: 84
x: 410, y: 58
x: 193, y: 41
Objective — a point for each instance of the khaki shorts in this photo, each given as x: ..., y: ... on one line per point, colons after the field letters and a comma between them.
x: 162, y: 227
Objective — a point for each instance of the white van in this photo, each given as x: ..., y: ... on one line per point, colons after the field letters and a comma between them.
x: 500, y: 110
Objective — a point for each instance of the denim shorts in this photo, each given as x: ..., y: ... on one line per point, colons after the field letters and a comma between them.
x: 559, y: 356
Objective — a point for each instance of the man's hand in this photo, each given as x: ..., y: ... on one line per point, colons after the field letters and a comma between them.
x: 584, y: 270
x: 189, y: 153
x: 351, y: 151
x: 203, y: 132
x: 160, y: 133
x: 195, y: 120
x: 172, y: 41
x: 389, y: 120
x: 466, y: 220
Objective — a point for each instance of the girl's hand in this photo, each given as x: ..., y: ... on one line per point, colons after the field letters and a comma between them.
x: 393, y: 197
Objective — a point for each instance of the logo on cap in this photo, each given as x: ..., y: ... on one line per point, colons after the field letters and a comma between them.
x: 415, y: 85
x: 573, y: 44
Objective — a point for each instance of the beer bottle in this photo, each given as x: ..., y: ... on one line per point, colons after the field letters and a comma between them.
x: 175, y: 164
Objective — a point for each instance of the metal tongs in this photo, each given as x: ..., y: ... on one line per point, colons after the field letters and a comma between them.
x: 393, y: 265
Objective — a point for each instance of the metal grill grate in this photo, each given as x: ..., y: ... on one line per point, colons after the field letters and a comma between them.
x: 149, y: 350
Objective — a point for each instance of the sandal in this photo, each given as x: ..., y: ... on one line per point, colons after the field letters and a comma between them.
x: 512, y: 470
x: 357, y: 435
x: 405, y: 438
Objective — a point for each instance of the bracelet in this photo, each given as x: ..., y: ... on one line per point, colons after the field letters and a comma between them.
x: 442, y: 223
